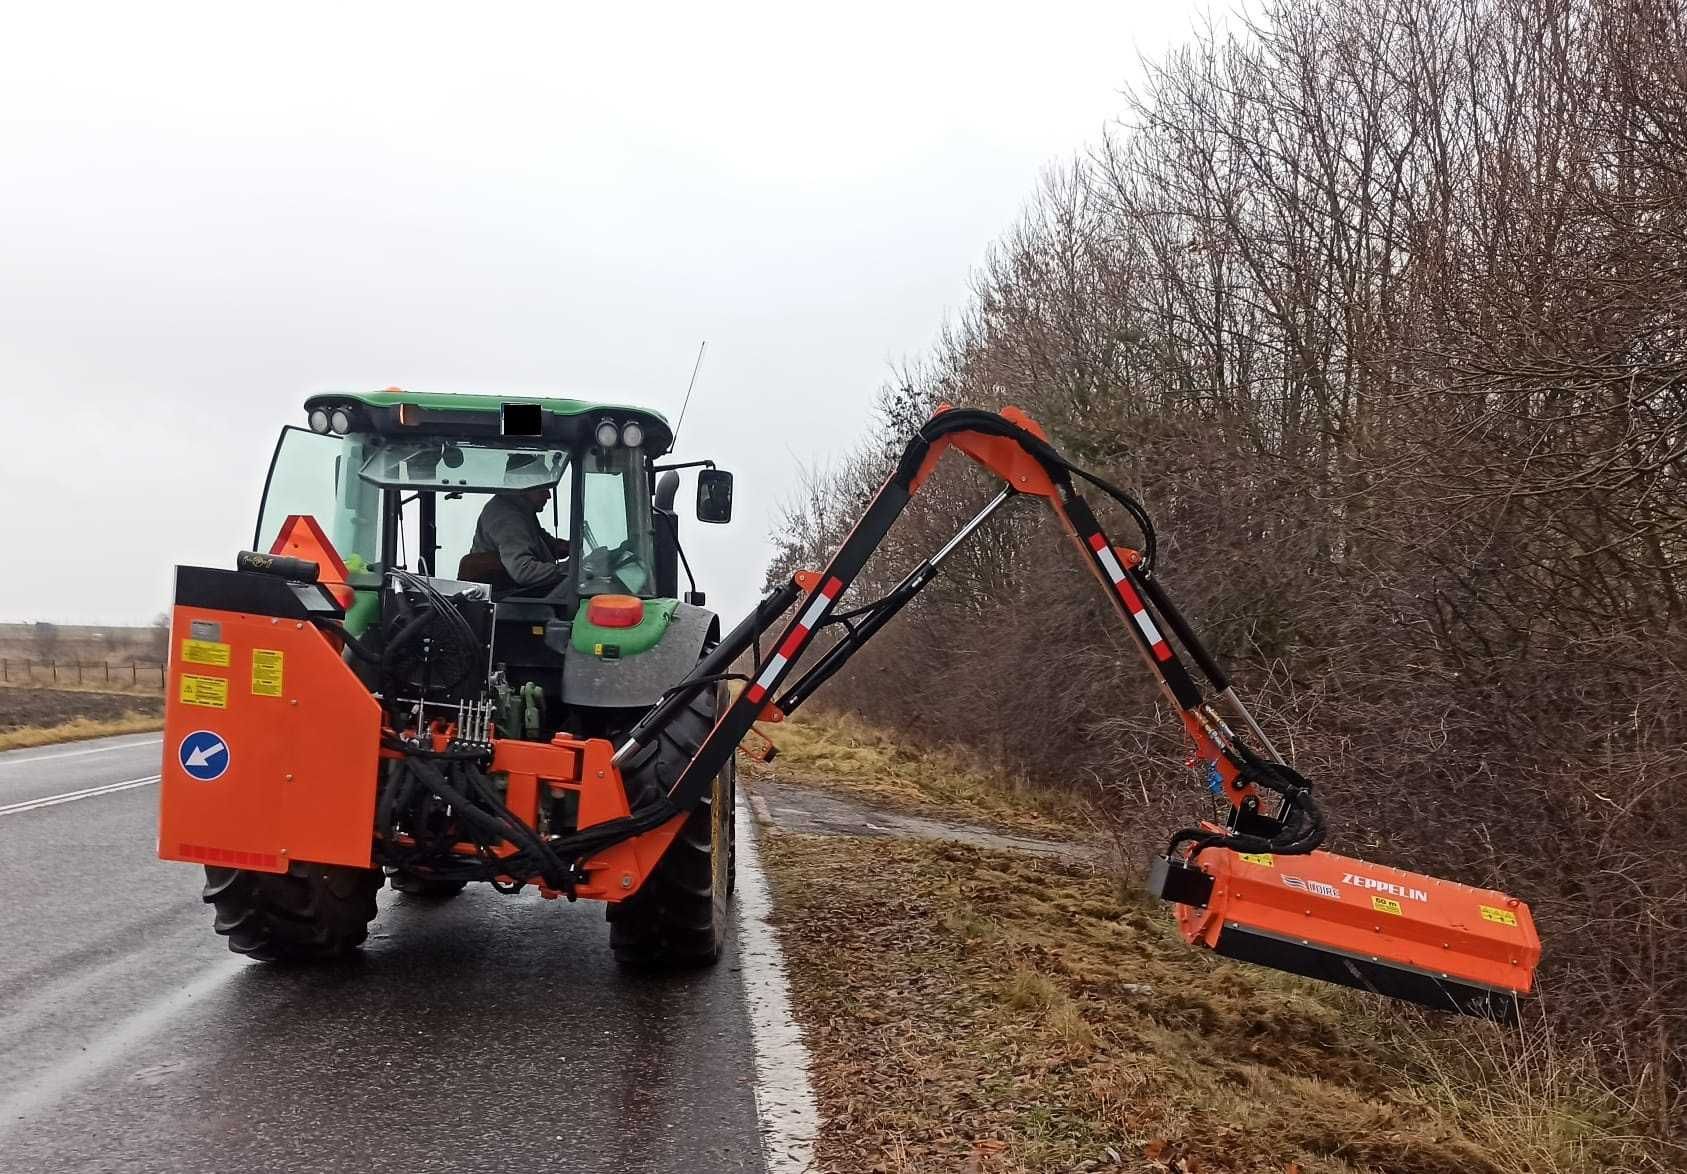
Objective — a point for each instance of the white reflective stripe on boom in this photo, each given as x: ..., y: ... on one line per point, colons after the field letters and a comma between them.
x: 1146, y: 623
x: 1133, y: 603
x: 796, y: 638
x: 816, y: 609
x: 1114, y: 570
x: 771, y: 670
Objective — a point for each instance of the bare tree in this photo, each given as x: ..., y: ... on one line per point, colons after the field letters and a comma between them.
x: 1377, y: 305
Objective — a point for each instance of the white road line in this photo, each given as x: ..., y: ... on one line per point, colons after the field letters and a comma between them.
x: 785, y: 1101
x: 8, y: 761
x: 72, y: 796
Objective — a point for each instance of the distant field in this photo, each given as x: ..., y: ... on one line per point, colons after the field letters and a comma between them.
x: 70, y: 643
x: 83, y: 656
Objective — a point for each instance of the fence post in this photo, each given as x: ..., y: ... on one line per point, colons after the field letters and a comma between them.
x: 54, y: 665
x: 107, y: 665
x: 79, y: 670
x: 134, y: 673
x: 5, y: 669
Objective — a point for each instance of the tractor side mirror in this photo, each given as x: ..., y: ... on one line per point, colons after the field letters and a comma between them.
x: 714, y: 496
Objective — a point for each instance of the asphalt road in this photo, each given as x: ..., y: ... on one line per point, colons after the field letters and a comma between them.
x: 483, y: 1033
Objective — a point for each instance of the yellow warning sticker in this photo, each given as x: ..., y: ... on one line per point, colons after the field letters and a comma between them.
x: 1385, y: 905
x: 1498, y: 916
x: 211, y: 692
x: 205, y: 652
x: 267, y: 664
x: 1264, y: 859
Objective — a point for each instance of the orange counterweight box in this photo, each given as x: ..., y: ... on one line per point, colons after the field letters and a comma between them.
x: 1434, y: 942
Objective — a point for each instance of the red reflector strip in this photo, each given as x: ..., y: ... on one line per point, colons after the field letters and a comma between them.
x: 795, y: 638
x: 228, y: 857
x: 1133, y: 603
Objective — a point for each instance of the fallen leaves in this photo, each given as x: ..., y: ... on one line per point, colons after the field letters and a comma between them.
x: 983, y: 1012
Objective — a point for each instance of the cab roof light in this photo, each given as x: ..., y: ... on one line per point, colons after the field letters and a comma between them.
x: 607, y: 434
x: 632, y: 434
x: 318, y: 419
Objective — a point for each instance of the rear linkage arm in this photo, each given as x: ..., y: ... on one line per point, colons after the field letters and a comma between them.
x: 1014, y: 448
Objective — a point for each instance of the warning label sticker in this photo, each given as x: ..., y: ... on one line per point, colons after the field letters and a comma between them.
x: 267, y: 664
x: 1264, y: 859
x: 1387, y: 905
x: 1498, y: 916
x: 205, y: 652
x: 211, y: 692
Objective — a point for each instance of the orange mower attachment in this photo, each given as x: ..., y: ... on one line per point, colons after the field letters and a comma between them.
x: 1437, y: 943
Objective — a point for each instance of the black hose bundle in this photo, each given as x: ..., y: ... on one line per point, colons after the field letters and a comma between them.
x: 478, y: 814
x: 453, y: 647
x: 1045, y: 454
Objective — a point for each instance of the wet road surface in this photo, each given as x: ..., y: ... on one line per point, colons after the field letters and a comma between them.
x: 813, y: 811
x: 485, y: 1032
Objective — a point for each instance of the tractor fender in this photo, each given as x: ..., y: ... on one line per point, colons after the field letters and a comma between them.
x: 639, y: 681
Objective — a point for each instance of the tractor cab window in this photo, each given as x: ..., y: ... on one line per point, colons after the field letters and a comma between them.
x: 615, y: 526
x: 313, y: 474
x: 449, y: 466
x: 456, y: 482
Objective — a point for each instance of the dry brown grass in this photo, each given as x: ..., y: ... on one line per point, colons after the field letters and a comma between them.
x: 982, y: 1011
x: 39, y: 716
x: 77, y: 730
x: 837, y: 752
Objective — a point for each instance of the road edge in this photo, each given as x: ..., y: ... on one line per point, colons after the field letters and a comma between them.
x: 785, y: 1103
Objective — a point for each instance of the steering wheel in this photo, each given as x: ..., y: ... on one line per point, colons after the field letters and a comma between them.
x: 605, y: 561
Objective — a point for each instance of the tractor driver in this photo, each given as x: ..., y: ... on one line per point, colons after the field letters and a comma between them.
x: 509, y: 527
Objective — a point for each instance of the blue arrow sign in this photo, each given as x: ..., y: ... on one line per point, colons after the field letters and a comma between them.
x: 204, y: 755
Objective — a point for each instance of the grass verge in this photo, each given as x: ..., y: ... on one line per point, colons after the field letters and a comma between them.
x: 983, y: 1011
x: 38, y: 717
x: 839, y: 753
x: 76, y: 730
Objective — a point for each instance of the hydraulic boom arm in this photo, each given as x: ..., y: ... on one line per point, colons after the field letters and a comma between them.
x: 1434, y: 942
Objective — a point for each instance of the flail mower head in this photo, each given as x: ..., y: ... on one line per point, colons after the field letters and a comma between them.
x: 1433, y: 942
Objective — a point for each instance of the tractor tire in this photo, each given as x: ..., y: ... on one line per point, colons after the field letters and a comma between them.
x: 425, y: 886
x: 312, y: 913
x: 679, y: 917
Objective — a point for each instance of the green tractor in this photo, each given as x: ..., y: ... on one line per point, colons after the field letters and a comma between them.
x: 453, y: 606
x: 413, y: 677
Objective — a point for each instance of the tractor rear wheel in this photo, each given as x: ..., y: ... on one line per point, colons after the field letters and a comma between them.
x: 310, y: 913
x: 678, y: 917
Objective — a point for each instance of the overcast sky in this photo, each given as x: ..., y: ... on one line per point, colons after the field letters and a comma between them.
x: 209, y: 212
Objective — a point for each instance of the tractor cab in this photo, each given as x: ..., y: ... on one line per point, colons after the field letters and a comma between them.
x: 590, y: 613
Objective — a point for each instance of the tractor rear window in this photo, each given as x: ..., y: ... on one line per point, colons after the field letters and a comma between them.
x: 439, y: 465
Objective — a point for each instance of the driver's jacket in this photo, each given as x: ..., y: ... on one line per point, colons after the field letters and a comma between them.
x: 509, y: 526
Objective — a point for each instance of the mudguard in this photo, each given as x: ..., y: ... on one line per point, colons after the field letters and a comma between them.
x: 596, y: 674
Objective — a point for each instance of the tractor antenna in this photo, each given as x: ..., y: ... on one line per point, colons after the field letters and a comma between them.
x: 695, y: 367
